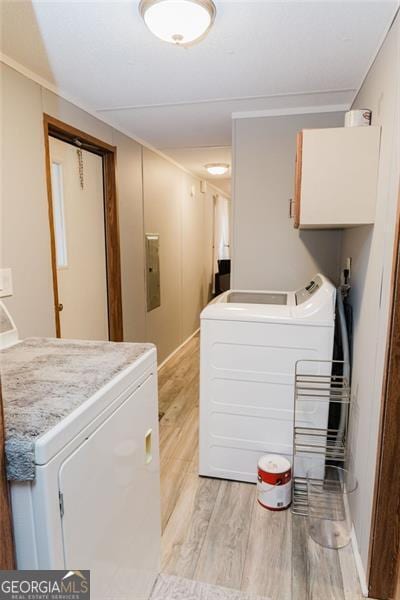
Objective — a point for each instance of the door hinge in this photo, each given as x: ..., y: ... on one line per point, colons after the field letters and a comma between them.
x: 61, y: 503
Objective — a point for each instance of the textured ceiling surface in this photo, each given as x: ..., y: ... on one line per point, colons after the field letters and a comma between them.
x: 258, y: 55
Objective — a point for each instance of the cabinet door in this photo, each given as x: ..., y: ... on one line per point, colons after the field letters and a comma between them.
x: 297, y: 179
x: 110, y: 487
x: 336, y: 177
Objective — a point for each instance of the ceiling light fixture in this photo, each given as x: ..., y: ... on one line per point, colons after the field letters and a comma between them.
x: 180, y: 22
x: 217, y: 168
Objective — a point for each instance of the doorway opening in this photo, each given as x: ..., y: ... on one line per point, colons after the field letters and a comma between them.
x: 84, y: 235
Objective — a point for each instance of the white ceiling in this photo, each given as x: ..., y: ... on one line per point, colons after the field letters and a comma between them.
x: 258, y: 55
x: 195, y: 160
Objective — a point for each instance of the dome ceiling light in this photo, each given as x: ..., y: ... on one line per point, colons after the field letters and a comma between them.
x: 180, y: 22
x: 217, y: 168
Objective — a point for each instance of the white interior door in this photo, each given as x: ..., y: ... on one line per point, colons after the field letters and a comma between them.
x: 110, y: 487
x: 78, y: 208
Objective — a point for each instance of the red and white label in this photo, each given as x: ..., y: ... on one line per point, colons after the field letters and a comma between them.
x: 274, y: 485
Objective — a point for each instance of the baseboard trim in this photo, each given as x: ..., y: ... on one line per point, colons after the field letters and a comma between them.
x: 178, y: 348
x: 359, y: 566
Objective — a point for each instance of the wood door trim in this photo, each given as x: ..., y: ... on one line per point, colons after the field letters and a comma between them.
x: 114, y: 283
x: 56, y: 128
x: 297, y: 179
x: 7, y: 560
x: 52, y: 229
x: 384, y: 552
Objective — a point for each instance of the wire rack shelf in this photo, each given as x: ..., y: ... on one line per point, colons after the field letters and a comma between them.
x: 317, y: 389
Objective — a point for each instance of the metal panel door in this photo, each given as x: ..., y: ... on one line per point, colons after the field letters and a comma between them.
x: 110, y: 496
x: 153, y: 271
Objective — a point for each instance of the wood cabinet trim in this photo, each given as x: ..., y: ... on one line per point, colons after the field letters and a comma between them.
x: 297, y: 180
x: 336, y: 177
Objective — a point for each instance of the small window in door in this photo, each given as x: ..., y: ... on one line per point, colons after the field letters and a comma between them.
x: 58, y: 215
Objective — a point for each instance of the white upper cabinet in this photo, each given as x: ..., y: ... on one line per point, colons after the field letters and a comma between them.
x: 336, y: 177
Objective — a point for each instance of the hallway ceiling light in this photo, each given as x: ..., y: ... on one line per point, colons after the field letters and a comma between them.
x: 217, y: 168
x: 180, y: 22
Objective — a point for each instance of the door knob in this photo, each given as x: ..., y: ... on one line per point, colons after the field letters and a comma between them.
x: 60, y: 307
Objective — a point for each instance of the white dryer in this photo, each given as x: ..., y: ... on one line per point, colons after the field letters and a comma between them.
x: 250, y: 342
x: 94, y: 501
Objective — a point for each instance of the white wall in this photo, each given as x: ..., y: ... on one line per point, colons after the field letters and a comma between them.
x: 182, y: 220
x: 25, y: 236
x: 130, y: 198
x: 162, y: 215
x: 164, y: 204
x: 371, y: 249
x: 268, y: 253
x: 196, y: 240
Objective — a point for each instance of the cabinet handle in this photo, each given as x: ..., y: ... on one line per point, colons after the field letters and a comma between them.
x: 290, y: 208
x: 148, y: 447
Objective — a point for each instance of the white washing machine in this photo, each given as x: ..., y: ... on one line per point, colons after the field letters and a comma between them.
x: 250, y: 342
x: 94, y: 502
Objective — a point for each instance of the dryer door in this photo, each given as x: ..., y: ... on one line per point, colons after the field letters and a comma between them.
x: 110, y: 488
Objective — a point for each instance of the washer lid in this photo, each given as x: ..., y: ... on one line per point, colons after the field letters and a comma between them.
x: 316, y: 309
x: 279, y: 298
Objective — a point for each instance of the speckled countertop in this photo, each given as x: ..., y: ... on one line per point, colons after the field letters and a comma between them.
x: 44, y: 380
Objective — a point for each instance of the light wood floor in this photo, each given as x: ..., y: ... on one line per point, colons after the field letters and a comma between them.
x: 214, y: 530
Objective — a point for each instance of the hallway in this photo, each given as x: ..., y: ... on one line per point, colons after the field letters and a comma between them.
x: 214, y: 530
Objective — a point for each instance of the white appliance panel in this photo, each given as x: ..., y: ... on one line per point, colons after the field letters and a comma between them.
x: 101, y: 455
x: 107, y: 480
x: 248, y: 357
x: 248, y: 428
x: 106, y: 464
x: 237, y: 463
x: 259, y: 398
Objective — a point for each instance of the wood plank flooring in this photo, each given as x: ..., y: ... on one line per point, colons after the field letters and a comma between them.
x: 215, y: 531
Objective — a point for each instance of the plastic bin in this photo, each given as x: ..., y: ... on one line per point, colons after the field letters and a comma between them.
x: 329, y: 519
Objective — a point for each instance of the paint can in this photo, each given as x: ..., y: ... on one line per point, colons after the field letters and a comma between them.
x: 357, y: 118
x: 274, y: 482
